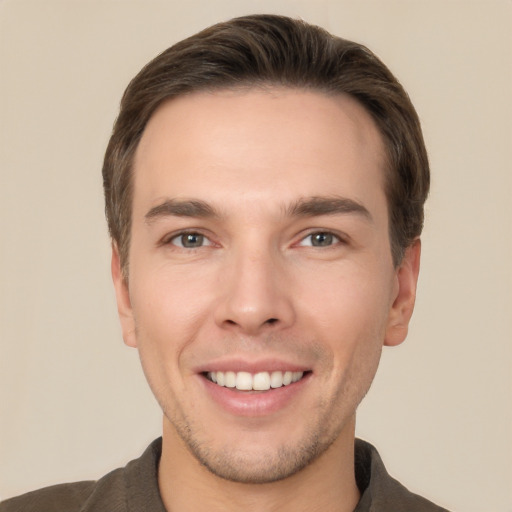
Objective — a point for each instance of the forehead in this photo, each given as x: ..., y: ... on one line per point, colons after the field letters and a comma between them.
x: 246, y: 141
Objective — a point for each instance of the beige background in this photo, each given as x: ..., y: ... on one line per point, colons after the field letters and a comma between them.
x: 73, y: 401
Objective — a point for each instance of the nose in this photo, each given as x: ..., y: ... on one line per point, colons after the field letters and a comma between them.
x: 255, y: 294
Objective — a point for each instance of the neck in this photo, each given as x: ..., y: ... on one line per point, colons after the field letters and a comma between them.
x: 328, y: 483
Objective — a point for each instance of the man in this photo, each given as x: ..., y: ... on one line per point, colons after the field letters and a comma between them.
x: 264, y: 189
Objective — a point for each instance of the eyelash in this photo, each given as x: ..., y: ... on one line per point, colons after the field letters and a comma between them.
x: 177, y: 236
x: 333, y: 239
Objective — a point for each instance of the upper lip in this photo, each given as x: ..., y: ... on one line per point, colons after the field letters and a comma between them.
x: 252, y: 366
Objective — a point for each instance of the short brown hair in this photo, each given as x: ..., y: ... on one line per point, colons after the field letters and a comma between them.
x: 275, y: 50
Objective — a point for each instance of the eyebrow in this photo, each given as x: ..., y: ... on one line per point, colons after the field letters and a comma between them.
x: 304, y: 207
x: 330, y: 205
x: 181, y: 208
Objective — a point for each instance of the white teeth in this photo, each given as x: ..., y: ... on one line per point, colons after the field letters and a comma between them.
x: 244, y: 381
x: 261, y: 381
x: 296, y: 376
x: 276, y: 379
x: 230, y: 379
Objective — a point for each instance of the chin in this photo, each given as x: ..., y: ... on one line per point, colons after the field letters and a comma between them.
x: 260, y: 466
x: 257, y: 457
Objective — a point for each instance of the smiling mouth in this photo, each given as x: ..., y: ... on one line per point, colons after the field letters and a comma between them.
x: 261, y: 381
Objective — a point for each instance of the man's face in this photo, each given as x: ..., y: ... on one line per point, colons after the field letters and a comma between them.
x: 259, y: 255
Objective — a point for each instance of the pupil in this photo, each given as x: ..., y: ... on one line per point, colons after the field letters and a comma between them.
x: 322, y: 239
x: 192, y: 240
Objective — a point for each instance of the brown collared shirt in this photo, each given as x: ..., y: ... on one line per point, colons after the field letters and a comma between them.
x: 134, y: 488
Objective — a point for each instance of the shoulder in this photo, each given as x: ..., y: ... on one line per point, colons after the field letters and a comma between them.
x: 380, y: 491
x: 108, y: 492
x: 132, y: 487
x: 69, y: 497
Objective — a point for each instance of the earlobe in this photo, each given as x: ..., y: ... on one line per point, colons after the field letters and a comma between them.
x: 403, y: 305
x: 124, y: 307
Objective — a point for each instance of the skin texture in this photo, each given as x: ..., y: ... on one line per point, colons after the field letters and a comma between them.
x: 260, y: 177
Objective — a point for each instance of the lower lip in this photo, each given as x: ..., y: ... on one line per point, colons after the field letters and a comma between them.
x: 254, y: 403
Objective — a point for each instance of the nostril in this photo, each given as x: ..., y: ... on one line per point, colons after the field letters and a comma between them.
x: 249, y: 325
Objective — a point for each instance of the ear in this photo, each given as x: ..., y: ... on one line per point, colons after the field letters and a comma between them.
x: 403, y: 304
x: 124, y: 306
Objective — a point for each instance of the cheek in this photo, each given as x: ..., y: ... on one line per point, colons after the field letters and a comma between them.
x: 350, y: 293
x: 167, y: 314
x: 168, y: 308
x: 351, y: 309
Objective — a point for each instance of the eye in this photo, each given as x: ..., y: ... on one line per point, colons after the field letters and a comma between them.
x: 320, y: 239
x: 190, y: 240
